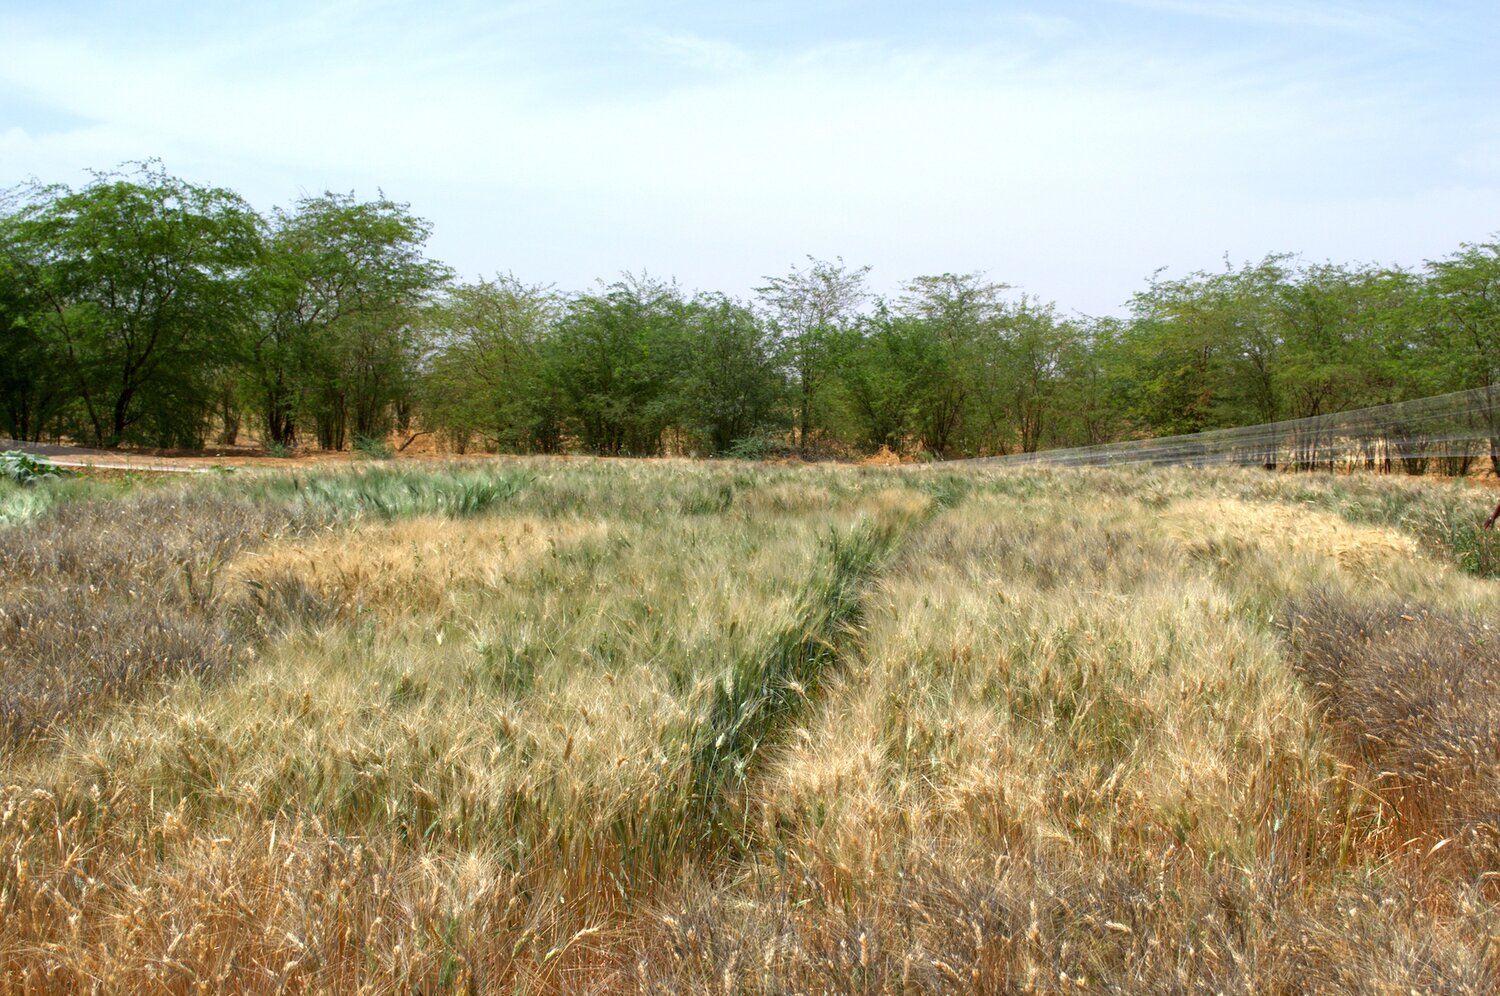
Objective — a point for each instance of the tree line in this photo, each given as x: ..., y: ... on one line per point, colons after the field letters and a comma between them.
x: 144, y: 309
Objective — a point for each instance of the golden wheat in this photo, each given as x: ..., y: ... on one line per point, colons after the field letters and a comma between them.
x: 610, y: 726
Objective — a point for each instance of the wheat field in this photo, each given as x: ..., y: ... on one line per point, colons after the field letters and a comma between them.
x: 607, y: 727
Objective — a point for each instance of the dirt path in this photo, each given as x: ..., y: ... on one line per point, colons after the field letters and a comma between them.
x: 155, y: 468
x: 77, y: 456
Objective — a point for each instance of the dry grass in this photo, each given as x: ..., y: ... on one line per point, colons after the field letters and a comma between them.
x: 398, y: 568
x: 1295, y: 531
x: 1415, y: 696
x: 105, y: 599
x: 593, y: 726
x: 1070, y: 756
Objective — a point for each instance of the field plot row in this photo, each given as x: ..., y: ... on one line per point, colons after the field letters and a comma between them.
x: 610, y: 727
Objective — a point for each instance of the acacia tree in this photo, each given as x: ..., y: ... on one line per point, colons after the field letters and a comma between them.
x: 809, y: 309
x: 958, y: 312
x: 136, y: 286
x: 1321, y: 369
x: 32, y: 395
x: 1463, y: 316
x: 483, y: 373
x: 342, y: 282
x: 884, y: 367
x: 1181, y: 347
x: 617, y: 359
x: 1034, y: 345
x: 733, y: 384
x: 1094, y: 391
x: 1212, y: 348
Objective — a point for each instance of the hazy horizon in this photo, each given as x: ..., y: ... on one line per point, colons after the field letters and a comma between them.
x: 1068, y: 149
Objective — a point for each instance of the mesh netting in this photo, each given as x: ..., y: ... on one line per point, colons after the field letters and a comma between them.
x: 1447, y: 433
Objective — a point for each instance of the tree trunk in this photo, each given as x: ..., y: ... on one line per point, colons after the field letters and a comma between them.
x: 805, y: 418
x: 120, y: 419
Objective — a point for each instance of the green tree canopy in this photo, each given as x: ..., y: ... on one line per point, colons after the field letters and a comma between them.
x: 484, y: 370
x: 810, y: 309
x: 341, y: 285
x: 137, y: 294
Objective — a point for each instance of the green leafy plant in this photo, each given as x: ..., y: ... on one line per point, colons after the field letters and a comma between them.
x: 373, y: 448
x: 23, y: 468
x: 760, y: 446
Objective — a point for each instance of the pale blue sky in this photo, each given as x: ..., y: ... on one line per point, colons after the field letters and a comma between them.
x: 1069, y: 148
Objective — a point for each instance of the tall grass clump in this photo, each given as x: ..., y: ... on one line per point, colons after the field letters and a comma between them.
x: 760, y: 695
x: 388, y: 493
x: 107, y: 595
x: 1445, y: 517
x: 1415, y: 696
x: 20, y: 504
x: 23, y: 503
x: 106, y: 598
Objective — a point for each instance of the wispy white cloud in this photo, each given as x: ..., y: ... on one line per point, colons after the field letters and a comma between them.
x: 698, y: 52
x: 1049, y: 26
x: 1369, y: 18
